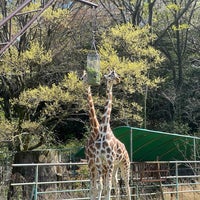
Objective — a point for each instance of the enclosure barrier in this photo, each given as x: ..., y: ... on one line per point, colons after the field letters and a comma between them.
x: 148, y: 180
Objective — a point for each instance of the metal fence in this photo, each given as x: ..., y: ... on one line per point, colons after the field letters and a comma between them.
x: 178, y: 180
x: 9, y: 174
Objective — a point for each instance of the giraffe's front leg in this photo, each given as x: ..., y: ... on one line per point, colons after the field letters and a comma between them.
x: 99, y: 185
x: 93, y: 184
x: 109, y: 181
x: 99, y: 180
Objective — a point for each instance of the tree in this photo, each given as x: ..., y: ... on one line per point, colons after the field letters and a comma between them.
x: 173, y: 40
x: 35, y: 60
x: 175, y: 24
x: 176, y: 32
x: 128, y: 50
x: 136, y: 12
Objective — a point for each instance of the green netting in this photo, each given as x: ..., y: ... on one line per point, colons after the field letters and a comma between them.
x: 148, y: 145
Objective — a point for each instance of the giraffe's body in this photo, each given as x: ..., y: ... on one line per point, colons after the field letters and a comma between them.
x: 109, y: 154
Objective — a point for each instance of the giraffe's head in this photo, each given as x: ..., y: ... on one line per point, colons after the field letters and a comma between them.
x: 112, y: 77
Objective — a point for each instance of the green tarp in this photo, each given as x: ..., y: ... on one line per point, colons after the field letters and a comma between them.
x: 149, y: 145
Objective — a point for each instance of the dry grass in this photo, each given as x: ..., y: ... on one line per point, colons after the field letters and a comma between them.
x: 183, y: 194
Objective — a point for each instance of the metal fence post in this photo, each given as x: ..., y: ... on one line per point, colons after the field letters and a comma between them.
x: 177, y: 186
x: 137, y: 177
x: 36, y: 183
x: 131, y: 145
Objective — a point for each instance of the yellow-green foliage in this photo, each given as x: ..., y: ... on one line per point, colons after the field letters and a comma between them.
x: 12, y: 63
x: 7, y: 128
x: 126, y: 108
x: 28, y: 135
x: 66, y: 93
x: 72, y: 84
x: 180, y: 27
x: 24, y: 134
x: 37, y: 53
x: 173, y: 6
x: 127, y: 49
x: 57, y: 16
x: 29, y: 126
x: 69, y: 91
x: 32, y: 6
x: 32, y: 97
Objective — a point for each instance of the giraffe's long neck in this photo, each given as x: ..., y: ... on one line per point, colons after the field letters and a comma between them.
x: 105, y: 123
x: 92, y: 116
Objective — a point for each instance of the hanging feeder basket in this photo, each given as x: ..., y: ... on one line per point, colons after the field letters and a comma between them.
x: 93, y: 68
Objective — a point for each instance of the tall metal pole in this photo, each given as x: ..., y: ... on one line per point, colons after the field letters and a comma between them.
x: 194, y: 149
x: 131, y: 144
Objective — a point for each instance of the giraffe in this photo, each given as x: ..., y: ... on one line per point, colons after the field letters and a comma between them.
x: 109, y: 153
x: 89, y: 148
x: 94, y: 124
